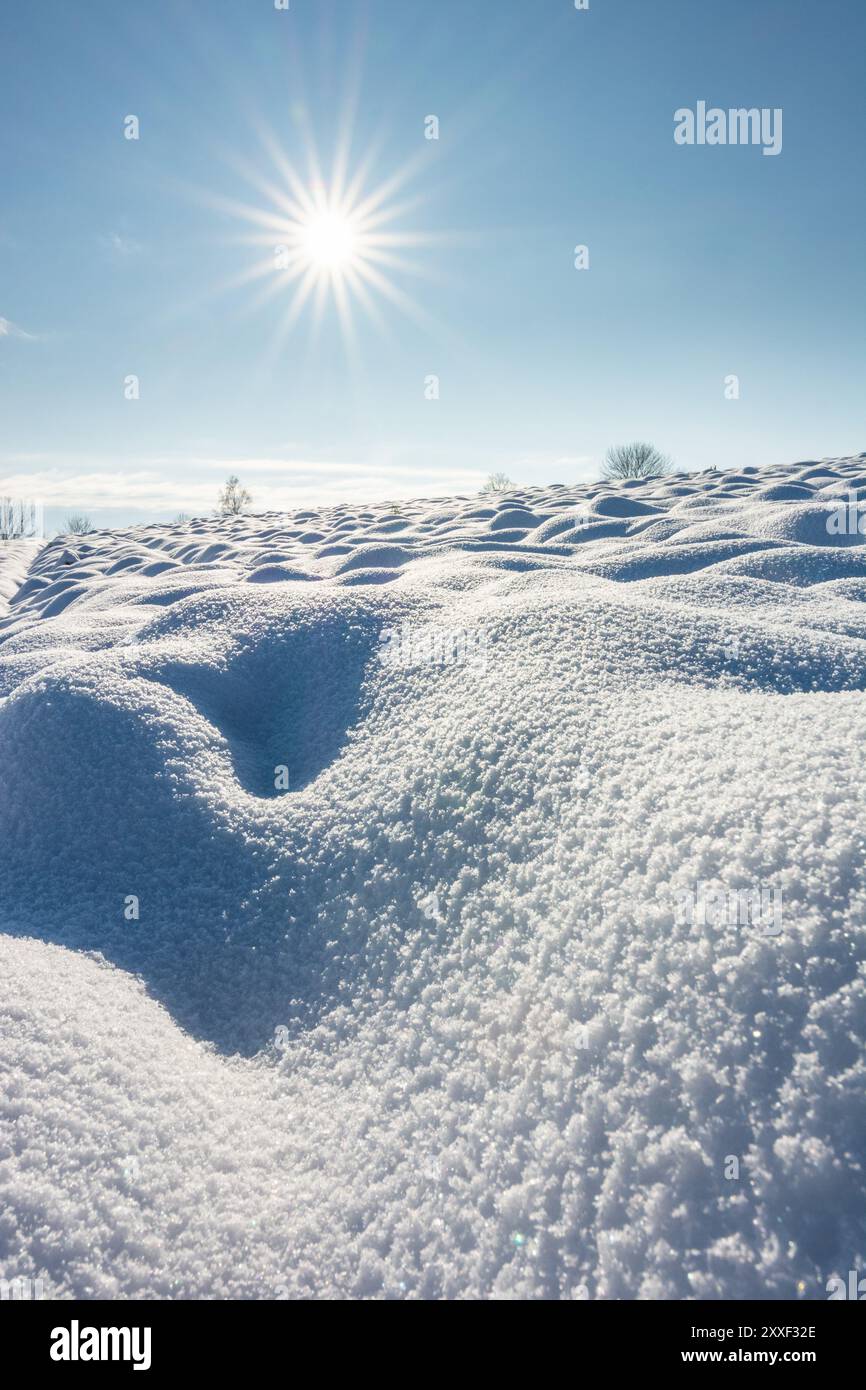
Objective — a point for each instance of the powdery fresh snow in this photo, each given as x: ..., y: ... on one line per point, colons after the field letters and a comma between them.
x: 429, y: 1023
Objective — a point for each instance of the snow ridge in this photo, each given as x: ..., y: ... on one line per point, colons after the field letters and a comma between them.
x: 343, y: 863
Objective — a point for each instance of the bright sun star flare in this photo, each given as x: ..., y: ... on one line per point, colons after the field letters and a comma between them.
x: 329, y: 241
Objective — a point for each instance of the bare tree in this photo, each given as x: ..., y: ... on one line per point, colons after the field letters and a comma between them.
x: 497, y: 482
x: 79, y: 524
x: 233, y: 499
x: 635, y: 461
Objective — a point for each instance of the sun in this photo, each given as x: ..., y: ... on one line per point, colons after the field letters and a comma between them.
x: 328, y: 240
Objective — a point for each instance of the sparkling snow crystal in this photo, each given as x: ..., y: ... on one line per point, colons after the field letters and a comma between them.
x: 379, y: 892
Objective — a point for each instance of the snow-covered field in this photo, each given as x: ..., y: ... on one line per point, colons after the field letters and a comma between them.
x: 346, y: 862
x: 15, y: 558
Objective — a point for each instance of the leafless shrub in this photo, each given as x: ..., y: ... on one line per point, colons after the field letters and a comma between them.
x: 635, y: 461
x: 497, y: 482
x: 233, y: 499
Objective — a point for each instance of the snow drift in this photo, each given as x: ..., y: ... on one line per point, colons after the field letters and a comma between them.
x: 341, y: 857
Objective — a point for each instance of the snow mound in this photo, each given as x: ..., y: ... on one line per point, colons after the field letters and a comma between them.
x: 372, y: 936
x: 15, y: 558
x: 815, y: 523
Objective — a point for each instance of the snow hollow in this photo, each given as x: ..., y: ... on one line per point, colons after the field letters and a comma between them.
x: 343, y: 857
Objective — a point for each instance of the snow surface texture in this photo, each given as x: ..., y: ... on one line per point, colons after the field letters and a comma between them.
x: 429, y: 1022
x: 15, y: 556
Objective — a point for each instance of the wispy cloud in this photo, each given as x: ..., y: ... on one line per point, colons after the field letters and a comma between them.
x: 192, y: 484
x: 120, y: 245
x: 8, y: 329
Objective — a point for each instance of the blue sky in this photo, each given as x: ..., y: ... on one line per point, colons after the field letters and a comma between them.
x: 556, y: 129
